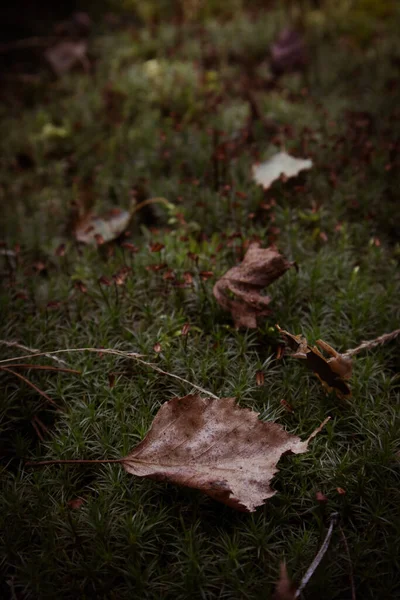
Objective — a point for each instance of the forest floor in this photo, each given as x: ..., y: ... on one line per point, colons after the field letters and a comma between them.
x: 182, y: 113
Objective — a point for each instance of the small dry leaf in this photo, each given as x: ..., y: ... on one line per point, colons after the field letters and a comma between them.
x: 185, y: 329
x: 65, y: 55
x: 91, y: 228
x: 321, y: 497
x: 121, y: 276
x: 332, y: 372
x: 284, y: 590
x: 260, y: 267
x: 260, y: 379
x: 76, y: 503
x: 280, y: 164
x: 286, y: 405
x: 60, y: 250
x: 288, y: 53
x: 215, y: 446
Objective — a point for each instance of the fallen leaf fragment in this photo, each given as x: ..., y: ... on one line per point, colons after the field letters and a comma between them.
x: 332, y: 372
x: 284, y: 590
x: 215, y: 446
x: 64, y: 55
x: 280, y: 164
x: 259, y: 268
x: 108, y: 227
x: 75, y: 503
x: 288, y: 53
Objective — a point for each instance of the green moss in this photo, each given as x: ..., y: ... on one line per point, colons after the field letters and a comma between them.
x: 137, y: 538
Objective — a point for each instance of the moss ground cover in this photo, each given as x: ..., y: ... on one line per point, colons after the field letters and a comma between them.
x: 165, y: 112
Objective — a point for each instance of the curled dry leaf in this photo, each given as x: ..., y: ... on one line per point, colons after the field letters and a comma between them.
x: 332, y: 372
x: 280, y: 164
x: 260, y: 267
x: 214, y: 446
x: 108, y: 227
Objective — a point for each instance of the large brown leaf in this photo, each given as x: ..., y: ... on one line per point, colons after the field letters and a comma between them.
x: 215, y: 446
x: 260, y: 267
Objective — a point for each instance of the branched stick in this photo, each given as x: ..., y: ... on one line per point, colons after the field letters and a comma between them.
x: 120, y: 353
x: 366, y: 345
x: 320, y: 554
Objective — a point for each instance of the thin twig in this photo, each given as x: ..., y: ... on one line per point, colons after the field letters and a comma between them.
x: 351, y: 573
x: 39, y: 391
x: 139, y: 206
x: 316, y: 431
x: 382, y: 339
x: 32, y: 350
x: 36, y: 428
x: 120, y: 353
x: 44, y: 368
x: 321, y: 552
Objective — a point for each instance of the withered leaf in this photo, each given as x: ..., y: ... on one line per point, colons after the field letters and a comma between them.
x: 260, y: 267
x: 64, y: 55
x: 215, y: 446
x: 90, y: 228
x: 280, y: 164
x: 288, y: 53
x: 332, y: 372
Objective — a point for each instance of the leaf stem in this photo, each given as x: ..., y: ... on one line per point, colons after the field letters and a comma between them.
x: 42, y: 463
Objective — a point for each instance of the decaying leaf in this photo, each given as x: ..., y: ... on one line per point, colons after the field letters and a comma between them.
x: 215, y: 446
x: 280, y: 164
x: 284, y: 590
x: 332, y: 372
x: 64, y: 55
x: 288, y: 53
x: 260, y: 267
x: 92, y: 229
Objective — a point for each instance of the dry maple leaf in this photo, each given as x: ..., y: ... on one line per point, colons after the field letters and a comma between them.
x: 259, y: 268
x: 280, y: 164
x: 215, y: 446
x: 332, y: 372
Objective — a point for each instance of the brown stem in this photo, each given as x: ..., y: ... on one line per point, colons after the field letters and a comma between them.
x: 39, y: 391
x: 44, y: 368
